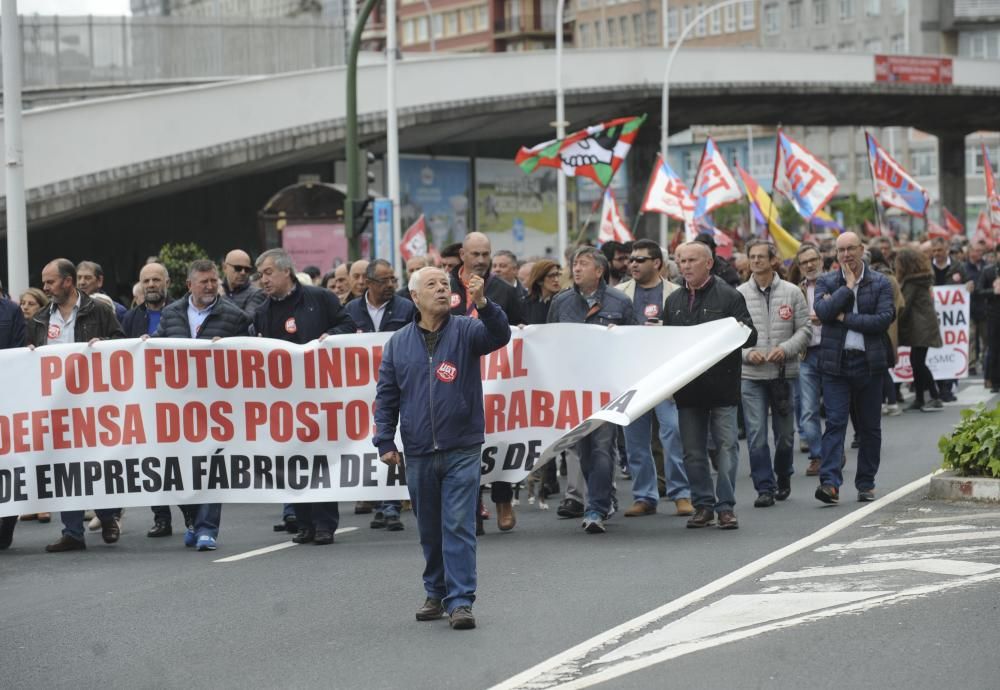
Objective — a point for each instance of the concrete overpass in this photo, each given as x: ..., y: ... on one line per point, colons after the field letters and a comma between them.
x: 85, y: 157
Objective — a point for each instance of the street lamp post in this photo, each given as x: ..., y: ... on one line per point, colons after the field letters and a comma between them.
x: 665, y: 104
x: 17, y: 221
x: 560, y: 125
x: 355, y: 187
x: 392, y: 131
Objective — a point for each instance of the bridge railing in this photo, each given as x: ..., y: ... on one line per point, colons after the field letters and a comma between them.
x: 69, y: 51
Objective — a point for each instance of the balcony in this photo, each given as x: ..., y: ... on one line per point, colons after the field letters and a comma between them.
x: 963, y: 13
x: 542, y: 24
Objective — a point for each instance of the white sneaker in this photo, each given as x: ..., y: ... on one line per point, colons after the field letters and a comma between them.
x: 893, y: 410
x: 94, y: 525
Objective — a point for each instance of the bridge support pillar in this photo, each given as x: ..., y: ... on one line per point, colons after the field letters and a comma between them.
x: 951, y: 172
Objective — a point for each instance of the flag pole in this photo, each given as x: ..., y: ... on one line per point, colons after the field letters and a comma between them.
x: 871, y: 172
x: 771, y: 212
x: 635, y: 223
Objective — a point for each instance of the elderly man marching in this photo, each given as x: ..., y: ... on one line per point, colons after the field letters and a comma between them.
x: 429, y: 383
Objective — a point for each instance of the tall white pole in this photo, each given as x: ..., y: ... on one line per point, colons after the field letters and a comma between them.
x: 906, y: 27
x: 430, y: 23
x: 665, y: 24
x: 560, y: 124
x: 17, y: 216
x: 665, y: 102
x: 392, y: 131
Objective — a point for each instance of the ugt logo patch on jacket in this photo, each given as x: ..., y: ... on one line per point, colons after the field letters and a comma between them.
x: 446, y: 372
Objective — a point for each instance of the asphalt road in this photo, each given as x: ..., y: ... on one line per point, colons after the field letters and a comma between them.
x: 150, y: 613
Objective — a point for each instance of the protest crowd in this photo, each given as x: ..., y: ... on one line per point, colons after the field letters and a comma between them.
x: 823, y: 328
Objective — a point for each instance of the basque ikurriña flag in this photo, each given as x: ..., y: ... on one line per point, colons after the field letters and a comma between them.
x: 714, y: 185
x: 595, y: 152
x: 801, y: 177
x: 893, y: 185
x: 613, y: 228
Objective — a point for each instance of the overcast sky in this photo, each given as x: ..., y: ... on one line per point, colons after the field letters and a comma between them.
x: 116, y: 7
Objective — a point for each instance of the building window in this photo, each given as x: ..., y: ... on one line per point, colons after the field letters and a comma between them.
x: 873, y: 45
x: 483, y: 18
x: 846, y: 10
x: 762, y: 165
x: 873, y: 8
x: 715, y: 23
x: 772, y: 18
x: 437, y: 21
x: 583, y: 4
x: 612, y: 34
x: 862, y: 170
x: 652, y: 28
x: 900, y: 6
x: 748, y: 19
x: 468, y: 20
x: 409, y: 32
x: 977, y: 167
x: 924, y: 163
x: 897, y: 44
x: 598, y: 37
x: 687, y: 16
x: 701, y: 27
x: 795, y: 14
x: 819, y: 12
x: 451, y: 24
x: 839, y: 166
x: 637, y: 31
x: 672, y: 28
x: 422, y: 35
x: 584, y: 31
x: 845, y: 47
x: 730, y: 19
x: 623, y: 29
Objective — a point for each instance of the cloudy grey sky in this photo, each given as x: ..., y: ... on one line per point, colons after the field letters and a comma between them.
x: 116, y: 7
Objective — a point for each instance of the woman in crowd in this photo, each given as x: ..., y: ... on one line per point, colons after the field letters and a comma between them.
x: 33, y: 301
x: 543, y: 285
x: 918, y: 324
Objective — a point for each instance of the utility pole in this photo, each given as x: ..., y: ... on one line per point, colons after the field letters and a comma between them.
x: 17, y: 216
x: 357, y: 191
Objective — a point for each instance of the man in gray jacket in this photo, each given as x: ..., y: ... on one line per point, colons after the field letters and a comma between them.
x: 591, y: 300
x: 781, y: 316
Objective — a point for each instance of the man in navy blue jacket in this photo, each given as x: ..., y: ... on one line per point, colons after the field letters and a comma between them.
x: 429, y: 382
x: 379, y: 310
x: 856, y: 307
x: 299, y: 313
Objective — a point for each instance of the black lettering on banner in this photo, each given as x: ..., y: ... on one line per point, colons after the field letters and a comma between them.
x: 371, y: 468
x: 576, y: 435
x: 320, y: 478
x: 263, y: 478
x: 172, y: 479
x: 132, y: 476
x: 298, y: 472
x: 198, y: 470
x: 153, y: 481
x: 91, y: 475
x: 620, y: 403
x: 534, y: 448
x: 113, y: 482
x: 240, y: 472
x: 514, y: 457
x: 12, y: 484
x: 350, y: 470
x: 217, y: 476
x: 489, y: 460
x: 42, y: 481
x: 396, y: 475
x: 67, y: 478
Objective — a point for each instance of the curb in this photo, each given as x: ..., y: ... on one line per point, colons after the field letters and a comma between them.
x: 949, y: 486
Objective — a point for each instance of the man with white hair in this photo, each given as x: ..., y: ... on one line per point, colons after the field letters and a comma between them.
x: 430, y: 386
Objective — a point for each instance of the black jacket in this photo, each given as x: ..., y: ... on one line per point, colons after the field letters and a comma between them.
x: 398, y: 313
x: 224, y: 321
x: 876, y: 311
x: 93, y: 320
x: 500, y: 293
x: 534, y: 310
x: 316, y: 311
x: 612, y: 307
x: 247, y: 298
x: 720, y: 385
x: 12, y: 329
x: 136, y: 321
x: 984, y: 290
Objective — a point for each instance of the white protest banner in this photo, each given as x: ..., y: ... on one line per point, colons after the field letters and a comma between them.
x: 245, y: 420
x: 951, y: 361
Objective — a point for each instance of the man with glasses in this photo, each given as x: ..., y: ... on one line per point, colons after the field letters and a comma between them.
x: 649, y: 292
x: 810, y: 379
x: 855, y: 305
x: 379, y: 310
x: 237, y: 269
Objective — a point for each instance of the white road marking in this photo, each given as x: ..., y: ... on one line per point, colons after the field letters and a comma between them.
x: 939, y: 529
x: 577, y: 653
x: 731, y: 613
x: 627, y: 667
x: 907, y: 541
x: 271, y: 549
x: 938, y: 566
x: 951, y: 518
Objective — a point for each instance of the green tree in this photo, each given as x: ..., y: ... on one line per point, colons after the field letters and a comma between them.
x: 176, y: 257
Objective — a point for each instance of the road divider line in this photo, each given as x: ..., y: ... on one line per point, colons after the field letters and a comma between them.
x: 271, y: 549
x: 530, y: 677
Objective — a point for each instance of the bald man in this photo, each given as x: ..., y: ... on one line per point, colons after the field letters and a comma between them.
x: 357, y: 281
x: 237, y: 269
x: 154, y: 282
x: 476, y: 256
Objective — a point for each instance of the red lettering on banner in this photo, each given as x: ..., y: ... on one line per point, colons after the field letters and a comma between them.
x: 81, y: 373
x: 542, y: 403
x: 712, y: 170
x: 797, y: 178
x: 518, y: 415
x: 82, y: 427
x: 569, y: 414
x: 955, y: 338
x: 358, y: 366
x: 493, y: 406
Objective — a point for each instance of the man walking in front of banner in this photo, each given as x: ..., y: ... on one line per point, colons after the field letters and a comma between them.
x: 12, y: 335
x: 856, y: 307
x: 429, y: 383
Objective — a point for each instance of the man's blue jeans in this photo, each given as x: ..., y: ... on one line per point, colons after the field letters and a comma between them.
x: 205, y: 518
x: 638, y: 437
x: 756, y: 404
x: 597, y: 461
x: 73, y: 520
x: 389, y: 508
x: 810, y: 387
x: 856, y: 385
x: 695, y: 423
x: 444, y: 492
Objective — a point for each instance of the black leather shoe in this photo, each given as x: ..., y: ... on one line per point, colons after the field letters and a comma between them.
x: 111, y: 531
x: 570, y: 509
x: 764, y: 500
x: 378, y: 522
x: 362, y: 508
x: 827, y: 493
x: 393, y: 524
x: 160, y: 529
x: 431, y: 610
x: 866, y: 496
x: 289, y: 525
x: 462, y: 619
x: 323, y: 537
x: 703, y: 517
x: 304, y: 536
x: 66, y: 544
x: 784, y: 488
x: 727, y: 520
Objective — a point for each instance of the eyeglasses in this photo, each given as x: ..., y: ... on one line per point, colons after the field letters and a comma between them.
x: 851, y: 248
x: 241, y: 269
x: 383, y: 281
x: 554, y: 274
x: 639, y: 259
